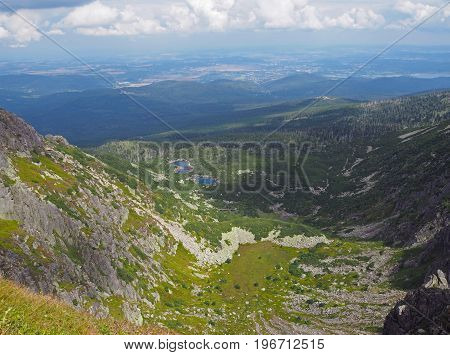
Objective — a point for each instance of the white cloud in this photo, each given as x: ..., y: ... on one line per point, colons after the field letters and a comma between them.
x: 138, y: 17
x: 93, y: 14
x: 98, y: 19
x: 180, y: 18
x: 55, y: 32
x: 3, y: 32
x: 357, y: 18
x: 132, y: 28
x: 416, y: 12
x: 214, y: 13
x: 16, y: 31
x: 299, y: 14
x: 283, y: 13
x: 220, y: 15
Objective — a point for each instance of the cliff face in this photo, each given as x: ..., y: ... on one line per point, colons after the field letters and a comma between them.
x: 16, y: 135
x: 69, y: 228
x: 426, y: 310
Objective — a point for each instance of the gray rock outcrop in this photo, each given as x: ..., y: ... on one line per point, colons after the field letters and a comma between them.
x: 423, y: 311
x: 16, y: 135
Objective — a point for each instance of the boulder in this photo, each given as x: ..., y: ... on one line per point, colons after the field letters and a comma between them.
x: 422, y: 311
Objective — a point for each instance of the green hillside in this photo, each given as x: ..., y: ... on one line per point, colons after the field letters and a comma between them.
x: 25, y: 312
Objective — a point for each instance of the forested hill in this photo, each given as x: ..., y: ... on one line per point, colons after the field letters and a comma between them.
x: 96, y: 114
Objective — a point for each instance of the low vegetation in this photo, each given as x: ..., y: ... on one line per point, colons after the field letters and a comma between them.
x: 24, y: 312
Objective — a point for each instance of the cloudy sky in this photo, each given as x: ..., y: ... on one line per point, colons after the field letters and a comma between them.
x: 108, y: 21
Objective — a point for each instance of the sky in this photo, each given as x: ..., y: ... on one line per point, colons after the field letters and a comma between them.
x: 112, y: 26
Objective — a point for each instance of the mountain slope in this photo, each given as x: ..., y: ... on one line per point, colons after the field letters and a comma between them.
x: 130, y: 239
x: 94, y: 236
x: 24, y: 312
x: 65, y: 219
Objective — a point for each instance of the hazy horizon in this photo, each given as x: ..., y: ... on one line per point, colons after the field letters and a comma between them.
x: 136, y: 28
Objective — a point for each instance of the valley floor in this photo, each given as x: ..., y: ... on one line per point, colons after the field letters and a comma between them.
x: 336, y: 288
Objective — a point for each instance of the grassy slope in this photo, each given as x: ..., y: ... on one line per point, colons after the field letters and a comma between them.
x: 224, y: 299
x: 23, y: 312
x: 257, y: 283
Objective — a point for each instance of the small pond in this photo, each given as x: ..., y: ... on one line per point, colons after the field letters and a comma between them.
x: 183, y: 166
x: 206, y: 181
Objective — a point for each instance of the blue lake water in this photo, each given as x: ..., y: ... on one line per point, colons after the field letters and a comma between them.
x: 206, y: 181
x: 185, y: 167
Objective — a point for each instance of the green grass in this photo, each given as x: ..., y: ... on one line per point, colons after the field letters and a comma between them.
x: 138, y: 253
x: 61, y: 247
x: 66, y: 286
x: 7, y: 181
x: 133, y: 222
x: 255, y: 280
x: 32, y: 172
x: 77, y: 154
x: 324, y: 256
x: 23, y: 312
x: 119, y: 168
x: 252, y: 264
x: 409, y: 277
x: 27, y: 171
x: 74, y: 254
x: 128, y: 271
x: 114, y: 304
x: 59, y: 202
x: 9, y: 228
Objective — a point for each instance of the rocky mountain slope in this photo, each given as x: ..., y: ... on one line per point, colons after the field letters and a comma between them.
x: 95, y: 235
x: 24, y: 312
x: 70, y: 229
x: 425, y: 310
